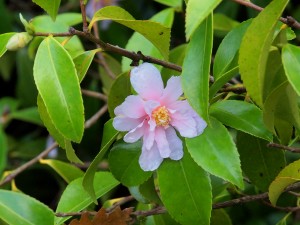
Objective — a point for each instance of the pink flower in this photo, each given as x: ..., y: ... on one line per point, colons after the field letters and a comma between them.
x: 153, y: 114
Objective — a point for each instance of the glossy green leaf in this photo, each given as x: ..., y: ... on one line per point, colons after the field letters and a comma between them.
x: 30, y: 115
x: 124, y: 162
x: 17, y: 208
x: 46, y: 24
x: 67, y: 171
x: 287, y: 176
x: 179, y: 190
x: 281, y: 104
x: 228, y: 50
x: 196, y: 68
x: 217, y: 156
x: 58, y: 137
x: 3, y: 150
x: 71, y: 19
x: 268, y: 161
x: 177, y: 4
x: 291, y: 63
x: 57, y: 82
x: 283, y: 221
x: 242, y: 116
x: 50, y: 6
x: 223, y: 24
x: 255, y: 48
x: 75, y: 199
x: 120, y: 89
x: 83, y: 61
x: 196, y: 12
x: 156, y: 33
x: 109, y: 135
x: 138, y: 42
x: 220, y: 216
x: 4, y: 38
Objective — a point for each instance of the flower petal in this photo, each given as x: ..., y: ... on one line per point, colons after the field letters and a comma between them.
x: 175, y: 143
x: 172, y: 91
x: 122, y: 123
x: 146, y: 81
x: 200, y: 123
x: 150, y: 159
x: 132, y: 107
x: 162, y: 142
x: 148, y: 139
x: 135, y: 134
x: 185, y: 124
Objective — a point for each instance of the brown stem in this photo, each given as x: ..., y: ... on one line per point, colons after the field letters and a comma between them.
x: 290, y: 21
x: 94, y: 94
x: 83, y: 13
x: 238, y: 90
x: 287, y: 148
x: 95, y: 117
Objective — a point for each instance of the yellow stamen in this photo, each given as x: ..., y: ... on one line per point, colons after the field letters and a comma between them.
x: 161, y: 116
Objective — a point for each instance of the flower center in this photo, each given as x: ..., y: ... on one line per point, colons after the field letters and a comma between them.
x: 161, y: 116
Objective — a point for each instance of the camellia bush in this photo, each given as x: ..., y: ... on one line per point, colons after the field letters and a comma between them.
x: 149, y: 112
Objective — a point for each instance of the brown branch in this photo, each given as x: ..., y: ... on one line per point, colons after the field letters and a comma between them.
x: 237, y: 90
x: 287, y: 148
x: 25, y: 166
x: 83, y: 13
x: 135, y: 57
x: 94, y: 94
x: 95, y: 117
x: 290, y: 21
x: 119, y: 203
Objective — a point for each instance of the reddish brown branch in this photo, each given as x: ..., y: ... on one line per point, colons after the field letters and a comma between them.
x: 287, y: 148
x: 290, y: 21
x: 83, y: 13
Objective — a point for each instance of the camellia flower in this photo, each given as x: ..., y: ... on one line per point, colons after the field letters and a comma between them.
x: 154, y: 114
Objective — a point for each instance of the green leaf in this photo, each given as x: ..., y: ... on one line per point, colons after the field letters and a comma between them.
x: 242, y: 116
x: 83, y: 61
x: 46, y: 24
x: 287, y: 176
x: 4, y: 38
x: 124, y: 162
x: 57, y: 82
x: 228, y: 50
x: 196, y: 67
x: 70, y: 19
x: 217, y: 156
x: 177, y: 4
x: 3, y: 150
x: 30, y: 115
x: 156, y: 33
x: 50, y: 6
x: 58, y: 137
x: 223, y: 24
x: 67, y: 171
x: 109, y: 135
x: 17, y: 208
x: 196, y: 12
x: 75, y: 199
x: 220, y: 216
x: 268, y: 161
x: 120, y: 89
x: 255, y: 47
x: 179, y: 189
x: 138, y: 42
x: 291, y: 63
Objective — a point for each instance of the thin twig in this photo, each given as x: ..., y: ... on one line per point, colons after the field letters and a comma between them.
x: 285, y: 209
x: 25, y: 166
x: 237, y: 90
x: 95, y: 117
x: 290, y: 21
x: 287, y: 148
x: 83, y: 13
x: 94, y: 94
x: 119, y: 203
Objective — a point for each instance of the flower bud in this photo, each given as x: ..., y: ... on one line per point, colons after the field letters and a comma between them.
x: 17, y: 41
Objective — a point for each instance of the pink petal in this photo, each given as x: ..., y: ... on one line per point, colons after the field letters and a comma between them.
x: 185, y: 124
x: 146, y: 81
x: 200, y: 124
x: 132, y: 107
x: 150, y: 159
x: 118, y: 110
x: 172, y: 91
x: 150, y: 105
x: 122, y: 123
x: 148, y: 139
x: 135, y: 134
x: 175, y: 143
x: 162, y: 142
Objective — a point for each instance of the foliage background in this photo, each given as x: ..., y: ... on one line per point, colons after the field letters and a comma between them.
x: 26, y: 140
